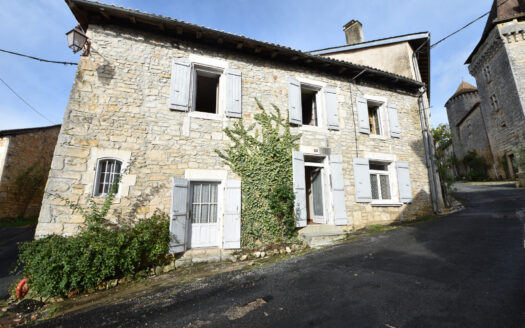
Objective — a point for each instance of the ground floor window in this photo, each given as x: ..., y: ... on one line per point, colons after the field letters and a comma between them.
x: 204, y: 202
x: 380, y: 181
x: 107, y: 171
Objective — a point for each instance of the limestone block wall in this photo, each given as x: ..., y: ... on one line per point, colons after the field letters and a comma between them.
x: 19, y: 152
x: 502, y: 57
x: 119, y: 103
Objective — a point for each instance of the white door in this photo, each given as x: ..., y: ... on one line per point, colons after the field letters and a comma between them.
x: 317, y: 196
x: 204, y: 223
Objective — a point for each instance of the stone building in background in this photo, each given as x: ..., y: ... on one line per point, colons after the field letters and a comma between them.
x: 498, y: 64
x: 25, y: 158
x: 468, y: 128
x: 158, y: 93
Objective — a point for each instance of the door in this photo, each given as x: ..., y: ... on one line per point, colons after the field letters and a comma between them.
x: 203, y: 214
x: 317, y: 195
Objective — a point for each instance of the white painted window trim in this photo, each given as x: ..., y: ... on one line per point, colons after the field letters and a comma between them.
x: 390, y: 160
x: 97, y: 177
x: 320, y: 102
x: 215, y: 65
x: 220, y: 176
x: 384, y: 124
x: 327, y: 190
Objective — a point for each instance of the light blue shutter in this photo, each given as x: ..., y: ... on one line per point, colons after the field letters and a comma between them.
x: 362, y: 115
x: 180, y: 84
x: 233, y: 93
x: 295, y: 110
x: 338, y: 190
x: 403, y: 181
x: 363, y: 187
x: 331, y: 108
x: 395, y: 130
x: 179, y: 215
x: 232, y: 215
x: 299, y: 187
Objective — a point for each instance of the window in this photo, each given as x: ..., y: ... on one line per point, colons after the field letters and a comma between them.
x: 380, y: 181
x: 206, y: 89
x: 494, y: 102
x: 309, y: 105
x: 107, y: 172
x: 373, y: 118
x: 204, y: 202
x: 486, y: 72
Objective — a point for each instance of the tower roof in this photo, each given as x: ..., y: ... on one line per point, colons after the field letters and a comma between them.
x: 502, y: 10
x: 463, y: 88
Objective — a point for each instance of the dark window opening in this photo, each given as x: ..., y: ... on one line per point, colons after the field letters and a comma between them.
x: 309, y: 105
x: 373, y: 118
x: 206, y: 92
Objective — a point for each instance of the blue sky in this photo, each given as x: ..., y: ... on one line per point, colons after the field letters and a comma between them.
x: 38, y: 27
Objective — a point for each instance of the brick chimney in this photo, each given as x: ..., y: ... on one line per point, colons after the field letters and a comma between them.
x: 354, y: 32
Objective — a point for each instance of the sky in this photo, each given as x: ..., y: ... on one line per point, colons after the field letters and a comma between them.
x: 38, y: 27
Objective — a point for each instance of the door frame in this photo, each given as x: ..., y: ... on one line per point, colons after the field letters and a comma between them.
x: 190, y: 208
x: 327, y: 191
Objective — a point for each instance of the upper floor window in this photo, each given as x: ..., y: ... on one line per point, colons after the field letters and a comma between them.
x: 309, y: 105
x: 494, y: 101
x: 487, y: 73
x: 377, y: 117
x: 374, y: 118
x: 108, y: 170
x: 206, y: 89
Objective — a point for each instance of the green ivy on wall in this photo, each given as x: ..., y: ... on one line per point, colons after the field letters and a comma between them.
x: 261, y: 155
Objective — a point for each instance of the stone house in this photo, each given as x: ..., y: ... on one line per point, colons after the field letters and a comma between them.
x: 468, y: 128
x: 158, y: 92
x: 20, y: 150
x: 498, y: 65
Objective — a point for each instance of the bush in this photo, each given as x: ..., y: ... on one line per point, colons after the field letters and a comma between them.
x: 57, y: 265
x: 476, y: 165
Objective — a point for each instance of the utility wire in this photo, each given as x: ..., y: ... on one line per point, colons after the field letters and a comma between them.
x: 464, y: 27
x: 39, y: 59
x: 25, y: 102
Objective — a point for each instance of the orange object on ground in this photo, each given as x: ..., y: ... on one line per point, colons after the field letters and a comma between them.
x: 22, y: 288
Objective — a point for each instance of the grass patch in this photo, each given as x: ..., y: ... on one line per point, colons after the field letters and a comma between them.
x: 379, y: 228
x: 18, y: 222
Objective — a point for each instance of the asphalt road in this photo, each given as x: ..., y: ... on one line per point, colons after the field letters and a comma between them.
x: 464, y: 270
x: 9, y: 237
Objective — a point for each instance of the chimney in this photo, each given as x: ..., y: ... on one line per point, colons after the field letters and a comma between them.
x: 354, y: 32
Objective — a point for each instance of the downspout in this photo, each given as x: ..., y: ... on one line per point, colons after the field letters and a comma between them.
x: 429, y: 153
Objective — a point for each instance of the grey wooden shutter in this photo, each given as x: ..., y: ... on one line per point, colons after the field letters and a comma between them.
x: 233, y: 93
x: 363, y: 187
x: 295, y: 110
x: 395, y: 130
x: 331, y: 108
x: 232, y: 215
x: 299, y: 187
x: 179, y: 215
x: 180, y: 84
x: 403, y: 181
x: 338, y: 190
x: 362, y: 115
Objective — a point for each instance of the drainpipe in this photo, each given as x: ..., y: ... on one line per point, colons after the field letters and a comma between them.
x: 429, y: 153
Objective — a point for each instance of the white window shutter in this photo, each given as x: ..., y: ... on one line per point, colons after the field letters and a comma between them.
x: 331, y: 108
x: 299, y: 187
x: 232, y: 215
x: 362, y: 115
x: 403, y: 181
x: 338, y: 190
x: 233, y: 93
x: 363, y: 187
x: 179, y: 215
x: 295, y: 110
x: 395, y: 130
x: 180, y: 84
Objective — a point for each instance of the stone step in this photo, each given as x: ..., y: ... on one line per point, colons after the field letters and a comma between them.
x: 320, y: 235
x: 322, y: 241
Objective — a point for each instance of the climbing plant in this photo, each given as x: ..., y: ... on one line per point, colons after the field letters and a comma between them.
x: 445, y: 162
x: 261, y: 154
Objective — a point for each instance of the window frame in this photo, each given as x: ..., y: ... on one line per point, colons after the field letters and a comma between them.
x: 317, y: 98
x: 380, y: 105
x: 96, y: 183
x: 217, y: 185
x: 207, y: 70
x: 318, y: 87
x: 378, y: 173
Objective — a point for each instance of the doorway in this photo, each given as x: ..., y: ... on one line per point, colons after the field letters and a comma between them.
x: 314, y: 172
x: 203, y: 214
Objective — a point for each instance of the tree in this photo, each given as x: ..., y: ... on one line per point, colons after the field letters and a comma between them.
x: 445, y: 163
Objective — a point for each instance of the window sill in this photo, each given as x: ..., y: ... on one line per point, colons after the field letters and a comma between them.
x: 378, y: 136
x: 384, y: 204
x: 206, y: 116
x: 313, y: 128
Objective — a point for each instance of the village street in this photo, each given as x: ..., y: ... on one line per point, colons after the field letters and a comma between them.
x: 463, y: 270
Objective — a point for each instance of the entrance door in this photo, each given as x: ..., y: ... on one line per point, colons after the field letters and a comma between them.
x: 204, y: 225
x: 315, y: 194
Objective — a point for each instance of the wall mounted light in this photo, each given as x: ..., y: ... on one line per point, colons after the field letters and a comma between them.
x: 78, y: 40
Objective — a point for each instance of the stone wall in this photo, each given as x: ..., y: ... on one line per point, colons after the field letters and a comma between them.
x: 119, y: 104
x: 22, y: 151
x: 502, y: 56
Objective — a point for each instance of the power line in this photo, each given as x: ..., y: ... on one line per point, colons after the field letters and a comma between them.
x: 464, y: 27
x: 39, y: 59
x: 25, y: 102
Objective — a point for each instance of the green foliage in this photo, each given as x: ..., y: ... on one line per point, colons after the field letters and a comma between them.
x: 57, y: 265
x: 445, y: 162
x: 30, y: 184
x: 262, y: 157
x: 519, y: 155
x: 476, y: 165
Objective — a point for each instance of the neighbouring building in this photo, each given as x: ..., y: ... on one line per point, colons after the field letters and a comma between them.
x: 158, y: 92
x: 25, y: 158
x: 498, y: 64
x: 468, y: 128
